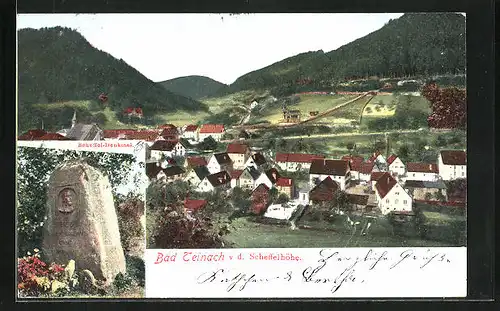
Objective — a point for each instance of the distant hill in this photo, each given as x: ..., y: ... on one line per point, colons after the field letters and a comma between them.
x: 195, y: 87
x: 414, y: 44
x: 58, y: 64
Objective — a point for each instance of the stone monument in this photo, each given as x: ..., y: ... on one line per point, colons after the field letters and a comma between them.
x: 82, y: 222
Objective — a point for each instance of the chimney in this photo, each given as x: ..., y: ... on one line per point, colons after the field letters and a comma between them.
x: 430, y: 167
x: 274, y: 175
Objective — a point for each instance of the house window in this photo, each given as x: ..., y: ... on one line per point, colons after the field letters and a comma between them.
x: 397, y: 201
x: 405, y: 201
x: 387, y: 201
x: 397, y: 193
x: 463, y: 174
x: 413, y: 174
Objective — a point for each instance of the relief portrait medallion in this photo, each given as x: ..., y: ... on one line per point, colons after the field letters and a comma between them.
x: 66, y: 201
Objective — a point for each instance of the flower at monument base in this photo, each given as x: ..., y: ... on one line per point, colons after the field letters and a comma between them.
x: 35, y: 277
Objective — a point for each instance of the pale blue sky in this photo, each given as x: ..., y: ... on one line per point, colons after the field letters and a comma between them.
x: 166, y: 46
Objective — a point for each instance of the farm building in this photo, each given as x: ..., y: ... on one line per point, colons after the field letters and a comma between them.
x: 260, y: 199
x: 324, y: 191
x: 239, y: 154
x: 167, y: 148
x: 396, y: 166
x: 355, y: 163
x: 220, y: 162
x: 196, y: 175
x: 391, y: 196
x: 426, y: 190
x: 337, y: 170
x: 293, y: 162
x: 285, y: 186
x: 422, y: 171
x: 214, y: 130
x: 190, y: 132
x: 291, y: 116
x: 452, y: 164
x: 217, y: 181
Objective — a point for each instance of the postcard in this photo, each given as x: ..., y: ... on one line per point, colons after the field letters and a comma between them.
x: 285, y: 155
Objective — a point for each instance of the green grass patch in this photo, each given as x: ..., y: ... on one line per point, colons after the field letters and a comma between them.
x: 307, y: 104
x: 248, y: 234
x: 84, y: 104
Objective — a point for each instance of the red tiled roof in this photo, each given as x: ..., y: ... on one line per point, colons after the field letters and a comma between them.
x: 454, y: 157
x: 284, y: 182
x: 384, y: 184
x: 196, y: 161
x: 169, y: 132
x: 52, y: 136
x: 354, y: 161
x: 194, y: 205
x: 212, y: 128
x: 191, y: 128
x: 237, y: 148
x: 167, y: 126
x: 116, y: 133
x: 297, y: 157
x: 132, y: 110
x: 366, y: 167
x: 376, y: 176
x: 32, y: 134
x: 235, y: 174
x: 143, y: 135
x: 329, y: 167
x: 422, y: 167
x: 391, y: 158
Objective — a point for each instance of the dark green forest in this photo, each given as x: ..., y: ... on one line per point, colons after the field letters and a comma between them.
x: 58, y: 64
x: 416, y: 44
x: 195, y: 87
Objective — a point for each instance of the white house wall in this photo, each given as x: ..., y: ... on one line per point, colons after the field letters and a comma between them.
x: 397, y: 200
x: 397, y: 167
x: 421, y: 176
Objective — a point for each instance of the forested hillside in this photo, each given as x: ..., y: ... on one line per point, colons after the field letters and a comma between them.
x: 195, y: 87
x: 414, y: 44
x: 58, y: 64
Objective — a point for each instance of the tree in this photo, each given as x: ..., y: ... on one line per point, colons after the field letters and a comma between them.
x: 273, y: 194
x: 240, y: 198
x: 99, y: 118
x: 341, y: 202
x: 350, y: 146
x: 404, y: 152
x: 378, y: 146
x: 449, y: 107
x: 208, y: 143
x: 282, y: 198
x: 282, y: 144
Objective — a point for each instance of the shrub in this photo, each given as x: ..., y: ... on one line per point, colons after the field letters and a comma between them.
x: 368, y: 110
x: 122, y: 282
x: 129, y: 221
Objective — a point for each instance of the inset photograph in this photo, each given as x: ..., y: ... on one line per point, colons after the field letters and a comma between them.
x: 80, y: 224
